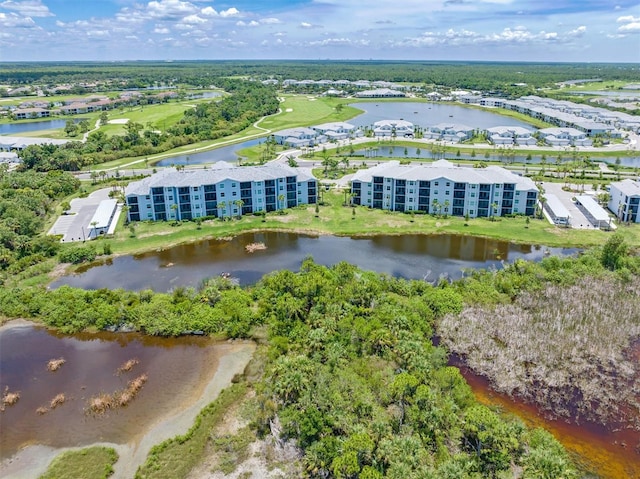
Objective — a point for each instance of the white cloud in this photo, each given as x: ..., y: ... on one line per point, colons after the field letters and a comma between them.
x: 193, y: 20
x: 628, y: 19
x: 509, y: 36
x: 28, y: 8
x: 630, y: 23
x: 170, y: 9
x: 11, y: 20
x: 209, y: 12
x: 161, y: 30
x: 270, y: 21
x: 339, y: 41
x: 230, y: 12
x: 308, y: 25
x: 252, y: 23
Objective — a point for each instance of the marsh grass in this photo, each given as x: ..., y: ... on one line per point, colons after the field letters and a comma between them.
x: 100, y: 404
x: 55, y: 364
x: 566, y: 348
x: 127, y: 366
x: 89, y: 463
x: 58, y: 400
x: 9, y: 398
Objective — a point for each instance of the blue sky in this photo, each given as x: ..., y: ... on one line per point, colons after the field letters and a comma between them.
x: 491, y: 30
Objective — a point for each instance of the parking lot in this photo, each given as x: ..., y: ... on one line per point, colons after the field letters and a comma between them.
x: 578, y: 219
x: 75, y: 225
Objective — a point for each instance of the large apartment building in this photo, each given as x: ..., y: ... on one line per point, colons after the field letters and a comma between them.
x: 443, y: 188
x: 625, y: 200
x: 221, y: 191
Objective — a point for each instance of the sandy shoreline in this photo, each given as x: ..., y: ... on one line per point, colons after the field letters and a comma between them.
x: 32, y: 461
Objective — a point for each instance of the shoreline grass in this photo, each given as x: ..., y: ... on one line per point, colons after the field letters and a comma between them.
x: 89, y: 463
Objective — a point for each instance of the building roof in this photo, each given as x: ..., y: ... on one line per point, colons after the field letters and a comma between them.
x: 394, y: 123
x: 556, y: 206
x: 514, y: 130
x: 445, y: 169
x: 593, y: 208
x: 334, y: 126
x: 627, y: 187
x: 104, y: 213
x: 220, y: 171
x: 296, y: 132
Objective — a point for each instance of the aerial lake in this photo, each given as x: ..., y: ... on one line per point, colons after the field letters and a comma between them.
x: 14, y: 129
x: 406, y: 256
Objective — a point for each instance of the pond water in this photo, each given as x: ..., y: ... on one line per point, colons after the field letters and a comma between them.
x: 494, y: 155
x: 224, y: 153
x: 406, y: 256
x: 178, y: 369
x: 429, y: 114
x: 13, y: 129
x: 613, y: 454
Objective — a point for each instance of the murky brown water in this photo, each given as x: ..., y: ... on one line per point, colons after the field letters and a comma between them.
x: 406, y: 256
x: 178, y: 369
x: 610, y: 454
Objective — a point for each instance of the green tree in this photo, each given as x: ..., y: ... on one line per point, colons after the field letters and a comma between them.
x: 614, y: 252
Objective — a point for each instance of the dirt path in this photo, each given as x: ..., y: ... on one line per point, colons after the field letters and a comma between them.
x: 33, y: 461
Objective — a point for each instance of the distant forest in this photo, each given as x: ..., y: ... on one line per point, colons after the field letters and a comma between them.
x: 477, y: 75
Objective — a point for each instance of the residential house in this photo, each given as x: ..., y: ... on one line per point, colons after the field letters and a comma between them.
x: 625, y: 200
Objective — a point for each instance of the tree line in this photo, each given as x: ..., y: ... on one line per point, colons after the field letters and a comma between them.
x: 474, y: 75
x: 26, y: 199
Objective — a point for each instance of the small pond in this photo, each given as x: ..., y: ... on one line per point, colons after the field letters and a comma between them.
x: 14, y: 129
x: 178, y: 369
x: 406, y: 256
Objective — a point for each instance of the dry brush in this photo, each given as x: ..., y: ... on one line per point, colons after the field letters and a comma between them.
x: 569, y: 349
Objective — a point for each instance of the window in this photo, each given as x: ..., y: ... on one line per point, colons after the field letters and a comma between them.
x: 170, y: 198
x: 147, y: 197
x: 196, y: 197
x: 235, y: 193
x: 447, y: 192
x: 471, y: 212
x: 233, y: 185
x: 221, y: 195
x: 435, y: 183
x: 148, y: 207
x: 197, y: 207
x: 517, y: 201
x: 388, y: 188
x: 259, y: 192
x: 195, y: 188
x: 448, y: 184
x: 473, y: 195
x: 222, y: 185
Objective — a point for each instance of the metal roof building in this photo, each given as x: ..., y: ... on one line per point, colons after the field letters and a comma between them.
x: 595, y: 213
x: 556, y: 210
x: 102, y: 218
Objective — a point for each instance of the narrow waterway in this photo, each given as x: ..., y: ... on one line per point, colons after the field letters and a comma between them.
x: 612, y: 454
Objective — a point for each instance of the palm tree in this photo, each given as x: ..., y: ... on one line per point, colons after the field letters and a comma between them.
x: 239, y: 204
x: 435, y: 205
x: 221, y: 206
x: 95, y: 231
x: 494, y: 210
x: 281, y: 199
x: 174, y: 209
x: 446, y: 207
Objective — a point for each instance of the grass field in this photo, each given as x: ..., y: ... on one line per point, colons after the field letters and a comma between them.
x: 88, y: 463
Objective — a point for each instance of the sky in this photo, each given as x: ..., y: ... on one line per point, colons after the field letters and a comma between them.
x: 482, y: 30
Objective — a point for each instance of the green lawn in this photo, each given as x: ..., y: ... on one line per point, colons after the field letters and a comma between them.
x: 333, y: 218
x: 88, y: 463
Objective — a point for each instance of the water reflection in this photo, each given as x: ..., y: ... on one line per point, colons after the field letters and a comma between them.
x: 177, y: 368
x: 406, y: 256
